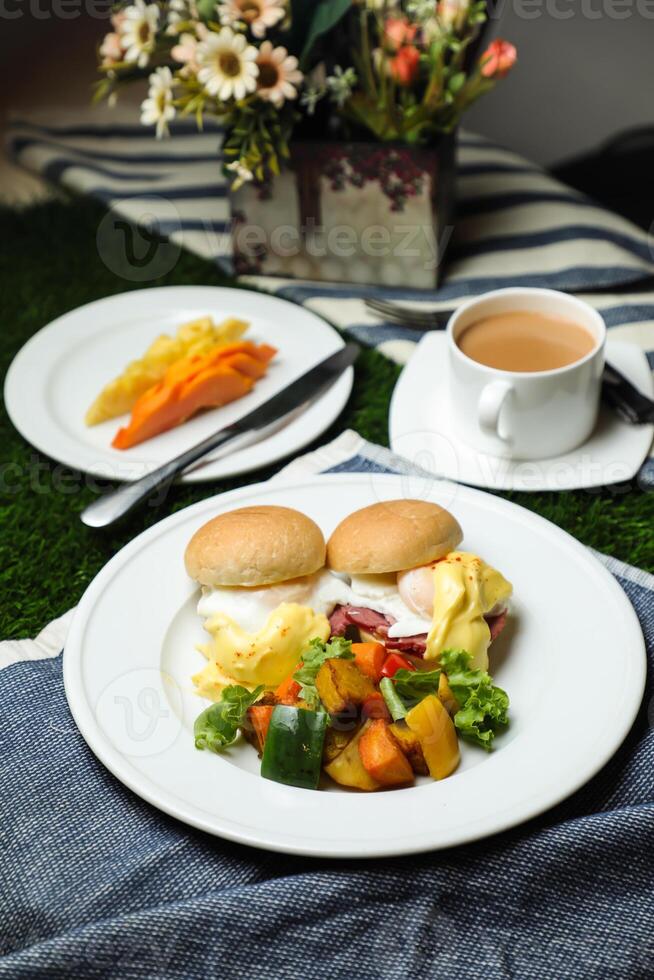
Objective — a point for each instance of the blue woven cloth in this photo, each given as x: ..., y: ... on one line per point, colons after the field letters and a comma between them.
x: 97, y: 883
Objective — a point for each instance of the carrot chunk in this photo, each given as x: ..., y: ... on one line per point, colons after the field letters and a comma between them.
x: 382, y: 757
x: 375, y: 707
x: 260, y: 715
x: 369, y: 658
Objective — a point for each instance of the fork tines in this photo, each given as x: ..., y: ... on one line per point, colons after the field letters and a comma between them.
x: 408, y: 316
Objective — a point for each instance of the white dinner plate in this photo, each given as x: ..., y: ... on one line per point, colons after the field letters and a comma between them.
x: 420, y: 430
x: 572, y: 634
x: 60, y: 370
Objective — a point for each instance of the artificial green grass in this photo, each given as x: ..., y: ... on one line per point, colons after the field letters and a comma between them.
x: 49, y: 264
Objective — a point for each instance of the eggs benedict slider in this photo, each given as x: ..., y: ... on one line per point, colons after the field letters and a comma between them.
x: 404, y: 583
x: 258, y: 568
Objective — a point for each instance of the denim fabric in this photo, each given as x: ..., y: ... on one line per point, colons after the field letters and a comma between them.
x: 97, y: 883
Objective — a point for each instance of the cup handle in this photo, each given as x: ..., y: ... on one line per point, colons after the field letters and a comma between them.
x: 491, y: 402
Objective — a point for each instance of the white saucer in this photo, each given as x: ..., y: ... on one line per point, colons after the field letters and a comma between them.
x: 420, y: 430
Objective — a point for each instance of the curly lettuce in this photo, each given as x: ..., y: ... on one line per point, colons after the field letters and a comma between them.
x: 483, y: 707
x: 218, y: 725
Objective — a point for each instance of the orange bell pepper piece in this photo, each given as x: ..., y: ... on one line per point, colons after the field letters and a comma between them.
x: 287, y: 692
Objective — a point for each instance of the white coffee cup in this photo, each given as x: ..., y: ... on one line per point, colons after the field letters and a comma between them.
x: 520, y: 414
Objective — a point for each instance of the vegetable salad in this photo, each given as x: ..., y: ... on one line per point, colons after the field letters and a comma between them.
x: 365, y: 718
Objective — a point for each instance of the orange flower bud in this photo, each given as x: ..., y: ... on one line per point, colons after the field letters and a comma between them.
x: 404, y: 66
x: 498, y: 59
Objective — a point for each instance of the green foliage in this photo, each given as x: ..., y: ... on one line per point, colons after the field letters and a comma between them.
x: 206, y: 9
x: 414, y: 685
x: 217, y: 726
x: 483, y: 707
x: 310, y: 20
x: 258, y: 136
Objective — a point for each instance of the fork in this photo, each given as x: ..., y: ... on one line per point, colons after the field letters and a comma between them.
x: 630, y: 404
x: 408, y: 316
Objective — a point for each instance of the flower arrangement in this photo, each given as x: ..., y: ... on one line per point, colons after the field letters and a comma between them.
x: 271, y: 69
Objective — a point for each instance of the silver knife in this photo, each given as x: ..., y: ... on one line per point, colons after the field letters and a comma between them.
x: 116, y: 504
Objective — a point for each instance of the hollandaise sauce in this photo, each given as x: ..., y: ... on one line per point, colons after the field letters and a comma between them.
x: 466, y: 589
x: 267, y: 656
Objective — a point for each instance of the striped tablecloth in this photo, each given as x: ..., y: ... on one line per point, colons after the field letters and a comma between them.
x: 516, y: 224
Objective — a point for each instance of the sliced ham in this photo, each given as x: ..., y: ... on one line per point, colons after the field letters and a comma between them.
x: 496, y: 624
x: 339, y: 621
x: 366, y: 619
x: 378, y: 624
x: 408, y: 644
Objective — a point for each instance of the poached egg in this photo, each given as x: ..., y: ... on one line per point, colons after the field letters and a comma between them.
x: 457, y: 593
x: 257, y: 634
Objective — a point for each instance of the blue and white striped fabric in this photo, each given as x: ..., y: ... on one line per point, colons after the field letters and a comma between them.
x: 98, y: 884
x: 515, y: 224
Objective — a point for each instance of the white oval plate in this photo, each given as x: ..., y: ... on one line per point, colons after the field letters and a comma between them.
x: 420, y: 430
x: 130, y: 655
x: 60, y: 370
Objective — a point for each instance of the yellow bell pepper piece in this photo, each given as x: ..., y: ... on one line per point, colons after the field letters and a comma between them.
x: 440, y: 746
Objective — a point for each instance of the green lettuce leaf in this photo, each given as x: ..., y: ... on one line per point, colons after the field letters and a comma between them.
x: 217, y: 726
x: 312, y: 660
x: 483, y: 707
x: 414, y: 685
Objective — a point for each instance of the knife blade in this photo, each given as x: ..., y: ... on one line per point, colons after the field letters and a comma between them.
x: 113, y: 506
x: 625, y: 399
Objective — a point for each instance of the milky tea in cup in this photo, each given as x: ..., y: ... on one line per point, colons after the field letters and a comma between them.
x: 524, y: 340
x: 525, y: 369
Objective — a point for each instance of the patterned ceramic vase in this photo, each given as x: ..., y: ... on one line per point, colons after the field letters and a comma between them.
x: 375, y: 213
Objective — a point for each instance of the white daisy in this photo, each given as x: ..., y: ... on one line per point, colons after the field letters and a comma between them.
x: 158, y: 108
x: 259, y: 15
x: 241, y: 174
x: 227, y: 65
x: 180, y: 12
x: 138, y: 32
x: 278, y: 74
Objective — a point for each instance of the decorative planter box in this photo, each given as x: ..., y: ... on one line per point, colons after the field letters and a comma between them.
x: 376, y: 213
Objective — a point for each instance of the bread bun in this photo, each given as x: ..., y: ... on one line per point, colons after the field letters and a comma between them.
x: 255, y: 546
x: 391, y: 536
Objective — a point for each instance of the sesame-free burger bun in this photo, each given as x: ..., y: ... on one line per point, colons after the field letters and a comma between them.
x: 255, y: 546
x: 391, y: 536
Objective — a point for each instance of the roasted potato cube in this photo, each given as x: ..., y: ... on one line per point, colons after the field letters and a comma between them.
x: 347, y: 769
x: 410, y: 745
x: 341, y: 684
x: 336, y: 741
